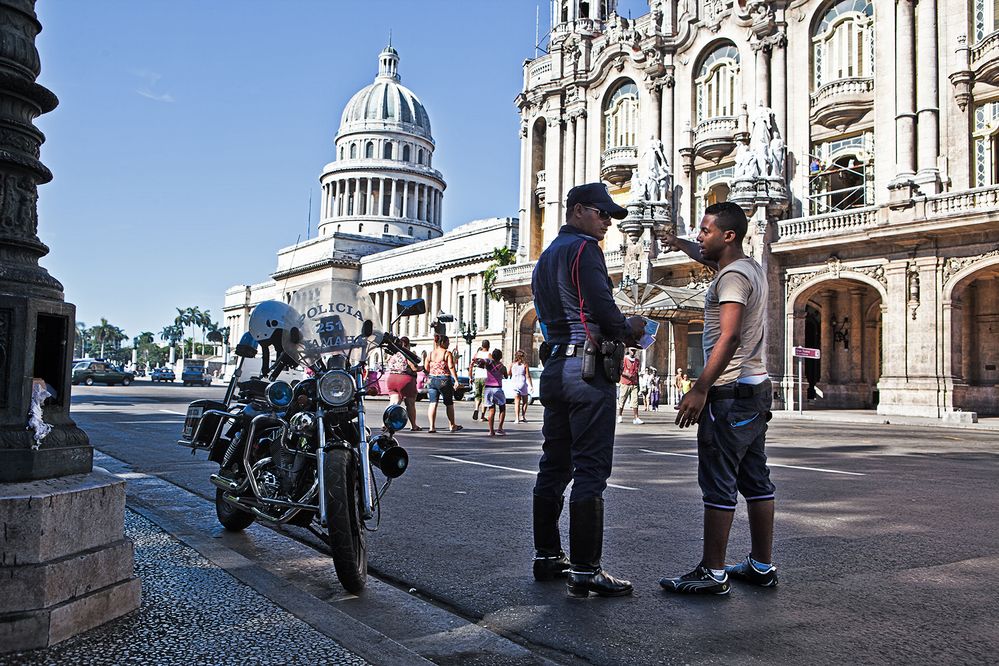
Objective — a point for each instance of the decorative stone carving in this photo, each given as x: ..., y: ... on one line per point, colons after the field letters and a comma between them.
x: 955, y: 265
x: 760, y: 178
x: 655, y: 176
x: 877, y: 272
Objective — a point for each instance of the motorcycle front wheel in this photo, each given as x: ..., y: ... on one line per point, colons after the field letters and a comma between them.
x: 232, y: 518
x: 345, y: 530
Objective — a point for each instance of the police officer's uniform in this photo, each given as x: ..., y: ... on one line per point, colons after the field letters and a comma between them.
x: 579, y: 416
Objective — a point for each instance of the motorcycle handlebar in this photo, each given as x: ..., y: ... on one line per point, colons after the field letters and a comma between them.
x: 392, y: 344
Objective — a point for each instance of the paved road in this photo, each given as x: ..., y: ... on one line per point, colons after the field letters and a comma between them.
x: 886, y: 539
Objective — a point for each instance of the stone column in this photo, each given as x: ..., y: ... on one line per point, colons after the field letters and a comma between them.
x: 437, y: 298
x: 555, y: 196
x: 353, y: 208
x: 65, y: 565
x: 580, y: 175
x: 570, y: 152
x: 856, y: 334
x: 778, y: 83
x: 405, y: 199
x: 392, y: 205
x: 905, y: 101
x: 762, y: 50
x: 666, y: 130
x: 968, y: 333
x: 826, y: 338
x: 927, y: 98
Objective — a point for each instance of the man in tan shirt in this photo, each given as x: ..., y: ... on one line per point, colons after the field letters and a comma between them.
x: 730, y: 402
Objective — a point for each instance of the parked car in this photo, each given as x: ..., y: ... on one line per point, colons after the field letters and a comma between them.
x: 194, y: 375
x: 535, y: 387
x: 162, y: 375
x: 99, y: 372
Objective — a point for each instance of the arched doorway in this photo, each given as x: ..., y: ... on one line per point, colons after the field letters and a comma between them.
x: 529, y: 337
x: 842, y: 318
x: 974, y: 362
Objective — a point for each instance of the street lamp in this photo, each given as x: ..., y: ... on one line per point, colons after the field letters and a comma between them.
x: 469, y: 333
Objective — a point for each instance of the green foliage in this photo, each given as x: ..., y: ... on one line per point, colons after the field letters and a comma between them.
x: 502, y: 256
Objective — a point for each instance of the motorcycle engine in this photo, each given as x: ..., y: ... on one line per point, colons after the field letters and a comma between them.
x: 288, y: 464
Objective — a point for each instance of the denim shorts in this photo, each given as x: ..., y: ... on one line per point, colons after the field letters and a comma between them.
x: 441, y: 386
x: 731, y: 455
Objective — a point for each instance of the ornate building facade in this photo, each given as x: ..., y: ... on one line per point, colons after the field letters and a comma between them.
x: 380, y: 225
x: 861, y: 137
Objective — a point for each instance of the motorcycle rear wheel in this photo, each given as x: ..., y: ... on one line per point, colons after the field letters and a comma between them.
x: 232, y: 518
x: 345, y: 530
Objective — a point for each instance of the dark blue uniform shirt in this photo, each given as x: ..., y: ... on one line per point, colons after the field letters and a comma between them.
x: 556, y: 297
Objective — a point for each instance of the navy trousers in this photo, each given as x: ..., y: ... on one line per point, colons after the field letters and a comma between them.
x: 578, y: 431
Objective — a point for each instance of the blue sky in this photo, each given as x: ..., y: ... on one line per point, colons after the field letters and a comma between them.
x: 189, y: 135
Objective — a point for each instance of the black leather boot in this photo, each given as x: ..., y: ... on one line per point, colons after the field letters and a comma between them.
x: 550, y: 561
x: 586, y: 540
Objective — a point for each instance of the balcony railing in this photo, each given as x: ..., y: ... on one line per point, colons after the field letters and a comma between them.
x: 831, y: 223
x: 987, y: 49
x: 715, y: 137
x: 840, y: 103
x: 968, y: 201
x: 540, y: 190
x: 539, y: 71
x: 616, y: 164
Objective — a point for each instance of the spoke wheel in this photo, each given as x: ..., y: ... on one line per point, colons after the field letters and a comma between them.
x: 345, y: 531
x: 232, y: 518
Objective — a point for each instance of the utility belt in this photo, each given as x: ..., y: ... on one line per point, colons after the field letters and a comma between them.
x: 608, y: 355
x: 738, y: 391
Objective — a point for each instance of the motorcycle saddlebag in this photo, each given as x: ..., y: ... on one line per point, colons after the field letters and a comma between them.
x: 209, y: 424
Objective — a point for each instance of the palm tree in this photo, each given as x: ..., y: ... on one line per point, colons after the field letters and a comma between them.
x: 173, y: 333
x: 101, y: 333
x: 182, y: 319
x: 81, y: 337
x: 502, y: 256
x: 206, y: 324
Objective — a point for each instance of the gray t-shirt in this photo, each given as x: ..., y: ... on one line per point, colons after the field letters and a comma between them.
x: 742, y: 281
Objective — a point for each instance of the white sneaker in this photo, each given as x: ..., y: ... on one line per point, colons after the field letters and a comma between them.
x: 619, y: 419
x: 637, y: 422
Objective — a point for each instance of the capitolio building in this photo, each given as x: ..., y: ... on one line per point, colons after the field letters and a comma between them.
x: 381, y: 225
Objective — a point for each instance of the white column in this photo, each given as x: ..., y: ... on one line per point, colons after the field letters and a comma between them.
x: 927, y: 97
x: 580, y: 175
x: 405, y: 199
x: 762, y: 74
x: 905, y: 102
x: 570, y: 153
x: 778, y: 85
x: 356, y: 197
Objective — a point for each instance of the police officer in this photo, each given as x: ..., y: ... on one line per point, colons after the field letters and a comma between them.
x: 574, y: 302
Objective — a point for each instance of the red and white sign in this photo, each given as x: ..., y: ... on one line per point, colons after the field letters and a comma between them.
x: 806, y: 352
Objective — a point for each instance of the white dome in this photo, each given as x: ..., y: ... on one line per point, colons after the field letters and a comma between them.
x: 386, y: 103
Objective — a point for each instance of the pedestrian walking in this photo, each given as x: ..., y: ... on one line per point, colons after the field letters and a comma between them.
x: 478, y: 374
x: 443, y: 378
x: 678, y: 385
x: 402, y: 383
x: 730, y: 402
x: 645, y: 389
x: 494, y: 398
x: 629, y: 387
x: 578, y: 318
x: 655, y: 389
x: 522, y: 385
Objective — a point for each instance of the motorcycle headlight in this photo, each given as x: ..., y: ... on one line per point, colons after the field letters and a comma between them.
x: 336, y: 388
x: 302, y: 422
x: 395, y: 417
x: 279, y: 394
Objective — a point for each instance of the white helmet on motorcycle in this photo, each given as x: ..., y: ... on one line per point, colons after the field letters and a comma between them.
x: 270, y: 317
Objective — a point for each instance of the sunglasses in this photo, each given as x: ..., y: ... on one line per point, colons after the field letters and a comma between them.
x: 604, y: 215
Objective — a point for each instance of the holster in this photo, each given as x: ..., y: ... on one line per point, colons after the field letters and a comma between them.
x: 589, y: 364
x: 613, y: 359
x: 544, y: 352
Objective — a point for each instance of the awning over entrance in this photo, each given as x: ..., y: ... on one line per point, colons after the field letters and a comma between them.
x: 659, y: 301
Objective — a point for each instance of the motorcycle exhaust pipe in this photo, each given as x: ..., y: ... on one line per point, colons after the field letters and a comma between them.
x: 225, y: 484
x: 388, y: 456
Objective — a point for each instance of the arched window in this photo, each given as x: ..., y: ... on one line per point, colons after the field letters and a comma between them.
x: 405, y: 153
x: 360, y: 228
x: 369, y: 150
x: 387, y: 151
x: 341, y: 152
x: 411, y: 231
x: 717, y: 84
x: 419, y: 156
x: 840, y: 174
x: 712, y: 187
x: 843, y: 43
x: 986, y: 14
x: 986, y: 138
x: 428, y: 233
x: 621, y: 117
x: 385, y: 229
x: 353, y: 151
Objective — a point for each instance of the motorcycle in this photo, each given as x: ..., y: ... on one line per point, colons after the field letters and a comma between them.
x: 303, y: 452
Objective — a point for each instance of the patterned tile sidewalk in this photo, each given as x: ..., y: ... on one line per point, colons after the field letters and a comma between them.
x: 192, y: 613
